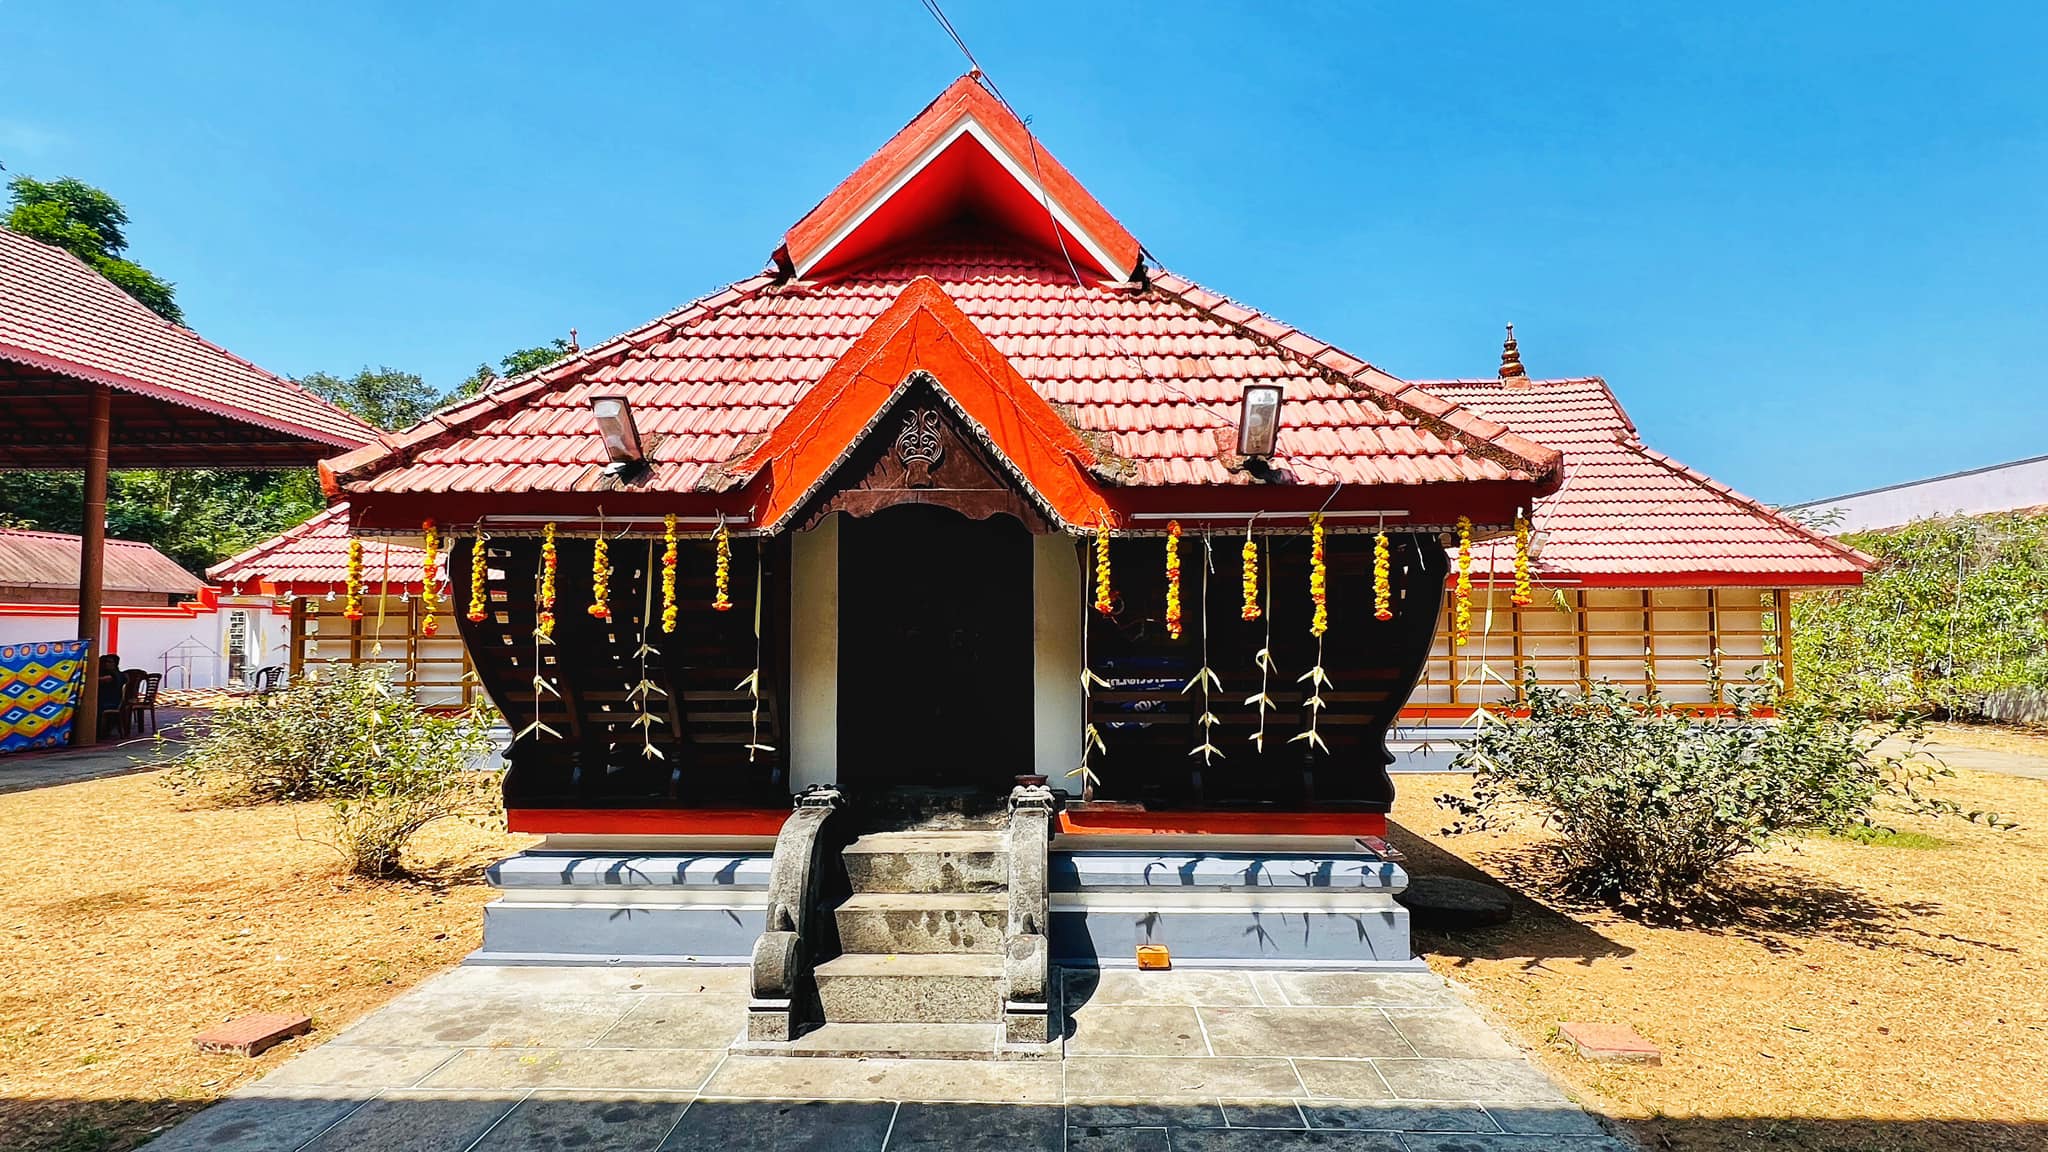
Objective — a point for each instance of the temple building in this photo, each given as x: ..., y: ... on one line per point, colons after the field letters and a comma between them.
x: 1072, y: 603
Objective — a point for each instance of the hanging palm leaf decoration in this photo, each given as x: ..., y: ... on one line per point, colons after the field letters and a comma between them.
x: 543, y: 598
x: 1315, y: 678
x: 1206, y: 676
x: 1091, y: 736
x: 1461, y: 611
x: 644, y: 692
x: 752, y: 684
x: 1264, y: 661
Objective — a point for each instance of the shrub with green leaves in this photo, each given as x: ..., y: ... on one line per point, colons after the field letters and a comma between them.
x: 1650, y: 801
x: 385, y: 766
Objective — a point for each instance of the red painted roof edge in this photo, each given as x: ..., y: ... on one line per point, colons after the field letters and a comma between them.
x: 1072, y: 498
x: 338, y: 472
x: 1488, y: 438
x: 963, y: 97
x: 185, y: 399
x: 305, y: 527
x: 1860, y: 561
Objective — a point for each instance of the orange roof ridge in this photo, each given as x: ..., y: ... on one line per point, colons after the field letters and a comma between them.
x: 924, y: 331
x: 1483, y: 436
x: 1861, y: 559
x: 964, y: 104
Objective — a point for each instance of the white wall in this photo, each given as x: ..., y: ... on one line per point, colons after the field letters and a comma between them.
x: 2001, y: 488
x: 1056, y: 712
x: 190, y: 651
x: 814, y: 655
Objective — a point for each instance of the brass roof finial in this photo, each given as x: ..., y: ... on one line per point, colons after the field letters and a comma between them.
x: 1511, y: 359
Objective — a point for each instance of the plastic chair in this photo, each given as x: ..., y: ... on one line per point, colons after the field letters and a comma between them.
x: 145, y: 702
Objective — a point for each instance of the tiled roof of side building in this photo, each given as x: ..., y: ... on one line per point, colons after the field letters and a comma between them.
x: 314, y: 555
x: 1628, y: 515
x: 30, y: 559
x: 60, y: 316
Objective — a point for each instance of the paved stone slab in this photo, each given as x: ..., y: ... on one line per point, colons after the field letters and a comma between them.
x: 1417, y: 1142
x: 1349, y: 1032
x: 836, y: 1078
x: 1174, y: 986
x: 357, y: 1066
x: 1396, y: 1117
x: 1135, y: 1030
x: 1343, y: 1080
x: 1486, y: 1081
x: 1117, y: 1140
x: 1012, y: 1128
x: 1263, y: 1114
x: 1175, y: 1078
x: 528, y: 979
x: 781, y: 1126
x: 484, y: 1021
x: 678, y: 1022
x: 1269, y: 1140
x: 276, y: 1120
x: 1545, y: 1119
x: 546, y: 1121
x: 1130, y: 1112
x: 1610, y: 1043
x: 1456, y: 1032
x: 678, y: 1070
x: 1369, y: 989
x: 417, y: 1122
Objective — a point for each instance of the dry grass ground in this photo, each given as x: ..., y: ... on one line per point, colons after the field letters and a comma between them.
x: 1879, y: 996
x: 131, y: 920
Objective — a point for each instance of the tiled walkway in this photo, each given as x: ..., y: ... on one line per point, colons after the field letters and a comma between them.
x: 559, y: 1058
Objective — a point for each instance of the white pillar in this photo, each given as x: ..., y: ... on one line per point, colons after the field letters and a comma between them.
x: 1056, y: 658
x: 814, y: 656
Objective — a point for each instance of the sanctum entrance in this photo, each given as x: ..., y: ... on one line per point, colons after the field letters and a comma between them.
x: 935, y: 650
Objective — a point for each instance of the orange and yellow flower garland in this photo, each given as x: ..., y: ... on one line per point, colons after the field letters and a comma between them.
x: 1382, y: 579
x: 600, y: 578
x: 668, y: 573
x: 479, y: 571
x: 353, y: 610
x: 1173, y: 618
x: 722, y: 575
x: 1522, y: 595
x: 1318, y: 578
x: 1103, y: 602
x: 548, y: 560
x: 1250, y: 553
x: 1461, y: 615
x: 430, y: 580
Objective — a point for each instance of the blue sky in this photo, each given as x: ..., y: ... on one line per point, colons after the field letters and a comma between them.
x: 1805, y: 243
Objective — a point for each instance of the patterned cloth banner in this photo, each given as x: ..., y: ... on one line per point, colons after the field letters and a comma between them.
x: 38, y: 683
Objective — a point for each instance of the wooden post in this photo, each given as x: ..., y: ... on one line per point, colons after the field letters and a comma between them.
x: 296, y: 661
x: 1784, y: 614
x: 92, y: 555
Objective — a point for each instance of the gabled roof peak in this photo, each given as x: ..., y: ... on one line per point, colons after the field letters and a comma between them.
x: 966, y: 156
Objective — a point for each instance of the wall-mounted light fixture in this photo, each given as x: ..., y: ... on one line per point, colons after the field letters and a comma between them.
x: 615, y: 427
x: 1258, y: 425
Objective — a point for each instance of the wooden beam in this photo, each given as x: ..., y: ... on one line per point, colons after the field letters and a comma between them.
x: 1784, y: 614
x: 92, y: 556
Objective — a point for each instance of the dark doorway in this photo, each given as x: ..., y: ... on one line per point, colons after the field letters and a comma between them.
x: 935, y: 656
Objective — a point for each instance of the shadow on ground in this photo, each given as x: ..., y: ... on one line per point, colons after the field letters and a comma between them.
x: 1537, y: 931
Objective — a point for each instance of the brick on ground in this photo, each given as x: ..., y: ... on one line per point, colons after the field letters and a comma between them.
x: 1610, y: 1043
x: 250, y: 1035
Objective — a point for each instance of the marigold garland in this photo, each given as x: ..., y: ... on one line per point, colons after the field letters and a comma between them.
x: 1173, y: 618
x: 722, y: 575
x: 1251, y: 577
x: 353, y: 610
x: 1462, y: 603
x: 1318, y: 578
x: 548, y: 560
x: 1103, y: 603
x: 1522, y: 597
x: 600, y: 579
x: 430, y: 580
x: 1382, y: 582
x: 479, y: 571
x: 668, y: 573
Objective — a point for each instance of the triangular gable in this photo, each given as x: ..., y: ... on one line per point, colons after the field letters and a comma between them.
x: 966, y: 146
x: 924, y: 331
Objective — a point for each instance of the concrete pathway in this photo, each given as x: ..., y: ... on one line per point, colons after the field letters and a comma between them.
x: 1987, y: 760
x: 523, y: 1059
x: 114, y: 756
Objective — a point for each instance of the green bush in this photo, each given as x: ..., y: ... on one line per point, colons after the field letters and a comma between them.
x: 1956, y: 611
x: 1650, y: 801
x: 385, y: 766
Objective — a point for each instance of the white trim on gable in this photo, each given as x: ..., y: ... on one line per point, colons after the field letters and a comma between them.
x: 967, y: 126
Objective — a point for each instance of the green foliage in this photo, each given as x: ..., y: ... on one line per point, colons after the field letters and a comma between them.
x: 1956, y: 610
x: 518, y: 363
x: 88, y: 223
x: 386, y: 397
x: 1650, y: 801
x: 196, y: 518
x: 385, y: 766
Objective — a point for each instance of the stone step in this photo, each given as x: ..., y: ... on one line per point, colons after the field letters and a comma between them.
x: 922, y: 922
x: 955, y: 988
x: 898, y: 1041
x: 977, y: 861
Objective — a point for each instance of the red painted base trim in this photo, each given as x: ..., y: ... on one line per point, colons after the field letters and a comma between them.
x: 648, y: 821
x: 1137, y: 822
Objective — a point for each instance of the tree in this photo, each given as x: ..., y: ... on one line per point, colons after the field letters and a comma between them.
x: 518, y: 363
x: 386, y: 397
x: 87, y: 222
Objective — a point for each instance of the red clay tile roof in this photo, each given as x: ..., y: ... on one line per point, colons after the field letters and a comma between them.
x: 1629, y: 516
x: 50, y: 560
x: 314, y: 556
x: 59, y: 315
